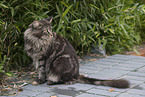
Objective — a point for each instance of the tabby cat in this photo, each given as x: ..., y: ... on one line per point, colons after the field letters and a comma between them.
x: 55, y: 58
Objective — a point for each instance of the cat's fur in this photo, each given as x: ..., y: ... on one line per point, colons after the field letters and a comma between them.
x: 56, y: 59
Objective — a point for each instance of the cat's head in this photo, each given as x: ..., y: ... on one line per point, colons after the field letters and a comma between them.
x: 40, y: 27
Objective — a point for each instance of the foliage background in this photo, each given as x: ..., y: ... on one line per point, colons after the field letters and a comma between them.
x: 117, y: 24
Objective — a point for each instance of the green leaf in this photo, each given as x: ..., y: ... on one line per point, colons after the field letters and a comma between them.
x: 66, y: 11
x: 64, y: 3
x: 112, y: 31
x: 67, y: 7
x: 104, y: 43
x: 0, y: 56
x: 32, y: 13
x: 90, y: 27
x: 94, y: 6
x: 12, y: 11
x: 58, y: 10
x: 102, y: 9
x: 91, y: 38
x: 124, y: 31
x: 97, y: 34
x: 3, y: 60
x: 111, y: 24
x: 9, y: 74
x: 1, y: 71
x: 129, y: 17
x: 2, y: 22
x: 114, y: 7
x: 143, y: 8
x: 136, y: 51
x: 134, y: 7
x: 4, y: 6
x: 75, y: 21
x: 1, y: 67
x: 59, y: 26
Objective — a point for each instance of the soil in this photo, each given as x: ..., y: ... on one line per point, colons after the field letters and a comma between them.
x: 140, y: 49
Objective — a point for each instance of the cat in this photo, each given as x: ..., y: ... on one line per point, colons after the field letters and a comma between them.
x: 55, y: 58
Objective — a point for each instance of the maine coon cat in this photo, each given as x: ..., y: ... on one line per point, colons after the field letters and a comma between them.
x: 55, y: 58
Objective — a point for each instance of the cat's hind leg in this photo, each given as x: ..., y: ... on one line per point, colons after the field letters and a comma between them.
x: 68, y: 78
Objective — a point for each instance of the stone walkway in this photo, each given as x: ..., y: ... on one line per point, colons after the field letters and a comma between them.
x: 128, y: 67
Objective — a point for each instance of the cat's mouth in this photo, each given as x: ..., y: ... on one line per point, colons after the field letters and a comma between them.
x: 37, y: 35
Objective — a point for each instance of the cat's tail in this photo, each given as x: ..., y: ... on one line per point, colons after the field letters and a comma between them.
x: 120, y: 83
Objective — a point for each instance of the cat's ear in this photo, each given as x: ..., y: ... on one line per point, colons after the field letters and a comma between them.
x: 50, y: 19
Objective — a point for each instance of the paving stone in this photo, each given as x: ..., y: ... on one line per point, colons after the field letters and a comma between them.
x: 91, y: 68
x: 77, y: 87
x: 119, y: 58
x: 100, y: 62
x: 129, y: 95
x: 18, y: 95
x: 107, y: 88
x: 62, y: 95
x: 107, y: 74
x: 138, y: 60
x: 137, y: 92
x: 131, y: 77
x: 86, y: 71
x: 99, y: 76
x: 142, y: 69
x: 135, y: 63
x: 89, y: 95
x: 139, y: 74
x: 113, y: 72
x: 135, y: 81
x: 37, y: 88
x: 103, y: 92
x: 117, y: 61
x: 127, y: 56
x: 4, y: 96
x: 143, y: 86
x: 122, y: 67
x: 123, y: 56
x: 51, y: 95
x: 127, y: 65
x: 104, y: 66
x: 29, y: 93
x: 68, y: 91
x: 46, y: 95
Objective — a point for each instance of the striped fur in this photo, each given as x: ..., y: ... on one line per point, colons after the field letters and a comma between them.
x: 55, y: 58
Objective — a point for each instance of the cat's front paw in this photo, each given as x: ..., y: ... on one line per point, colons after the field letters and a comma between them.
x: 50, y: 82
x: 40, y: 81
